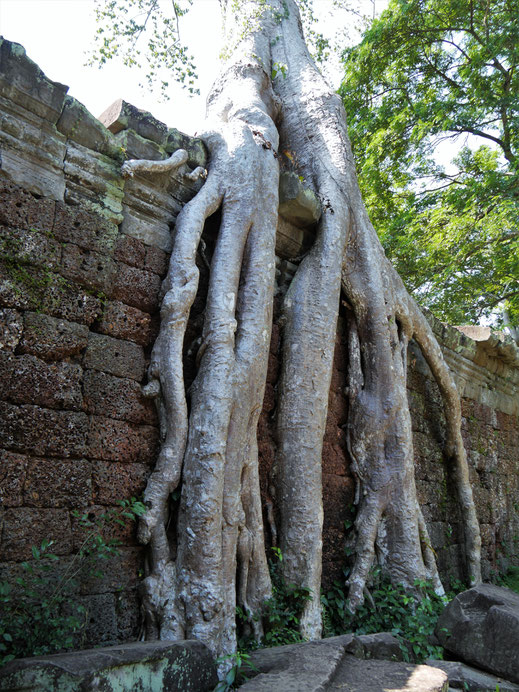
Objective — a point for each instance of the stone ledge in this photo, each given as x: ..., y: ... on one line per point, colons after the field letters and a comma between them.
x: 183, y: 665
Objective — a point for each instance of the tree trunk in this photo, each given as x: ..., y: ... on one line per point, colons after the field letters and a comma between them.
x: 220, y: 559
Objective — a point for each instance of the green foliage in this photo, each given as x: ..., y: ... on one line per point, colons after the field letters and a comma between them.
x: 235, y: 676
x: 280, y: 614
x: 412, y: 617
x: 40, y: 613
x: 442, y: 71
x: 124, y: 25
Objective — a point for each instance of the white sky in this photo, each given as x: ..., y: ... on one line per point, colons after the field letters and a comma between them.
x: 57, y: 34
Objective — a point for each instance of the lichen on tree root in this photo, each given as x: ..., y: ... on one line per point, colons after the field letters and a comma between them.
x: 220, y: 557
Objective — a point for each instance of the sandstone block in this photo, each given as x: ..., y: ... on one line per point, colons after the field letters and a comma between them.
x: 57, y: 483
x: 183, y: 665
x: 54, y: 385
x: 51, y: 338
x: 121, y: 115
x: 125, y: 322
x: 43, y: 432
x: 114, y: 440
x: 21, y: 246
x: 481, y: 626
x: 102, y: 621
x: 117, y: 397
x: 115, y: 356
x: 136, y: 287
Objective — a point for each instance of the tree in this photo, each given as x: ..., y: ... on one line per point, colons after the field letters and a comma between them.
x: 254, y: 111
x: 430, y: 72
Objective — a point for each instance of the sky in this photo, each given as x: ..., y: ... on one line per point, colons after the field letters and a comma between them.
x: 57, y: 35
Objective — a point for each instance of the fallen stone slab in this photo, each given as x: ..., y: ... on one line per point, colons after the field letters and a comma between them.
x: 469, y: 679
x: 370, y: 675
x: 481, y: 626
x: 341, y: 663
x: 166, y: 665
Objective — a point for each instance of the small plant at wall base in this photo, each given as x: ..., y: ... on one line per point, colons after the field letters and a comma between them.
x: 392, y: 609
x: 41, y: 613
x: 280, y: 614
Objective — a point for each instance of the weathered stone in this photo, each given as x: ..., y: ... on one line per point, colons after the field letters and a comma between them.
x: 101, y: 626
x: 185, y: 665
x: 357, y: 675
x: 462, y: 677
x: 12, y: 478
x: 11, y: 327
x: 196, y: 149
x: 297, y: 204
x: 54, y: 385
x: 136, y: 287
x: 23, y: 527
x: 43, y: 432
x: 117, y: 397
x: 327, y: 665
x: 128, y: 323
x: 121, y: 115
x: 86, y: 229
x: 87, y: 268
x: 130, y: 251
x: 23, y: 246
x: 57, y: 483
x: 118, y: 441
x: 50, y: 338
x: 117, y: 572
x: 114, y: 481
x: 21, y: 209
x: 80, y: 126
x: 115, y: 356
x: 481, y: 626
x: 156, y: 260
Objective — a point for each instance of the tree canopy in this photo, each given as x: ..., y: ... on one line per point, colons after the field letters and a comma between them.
x: 430, y: 73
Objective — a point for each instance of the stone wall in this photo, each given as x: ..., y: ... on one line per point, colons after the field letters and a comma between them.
x: 82, y: 256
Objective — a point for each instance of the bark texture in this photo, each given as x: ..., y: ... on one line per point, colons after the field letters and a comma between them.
x: 219, y: 561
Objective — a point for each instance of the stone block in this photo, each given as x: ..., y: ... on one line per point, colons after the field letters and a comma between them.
x: 7, y: 360
x: 121, y: 115
x: 136, y: 287
x: 128, y: 611
x: 122, y: 534
x: 85, y: 229
x: 43, y: 432
x: 195, y: 147
x: 87, y: 268
x: 130, y: 251
x: 35, y: 288
x: 113, y: 481
x: 24, y: 527
x: 80, y: 126
x: 54, y: 385
x: 23, y: 246
x: 12, y: 478
x: 51, y: 338
x: 101, y: 625
x: 334, y: 459
x: 57, y: 483
x: 118, y: 572
x: 481, y: 626
x: 117, y: 397
x: 114, y: 440
x: 21, y: 209
x: 115, y: 356
x: 11, y: 327
x: 156, y: 260
x: 184, y: 665
x: 128, y: 323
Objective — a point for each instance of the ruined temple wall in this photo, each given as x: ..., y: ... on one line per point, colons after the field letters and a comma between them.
x: 83, y: 253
